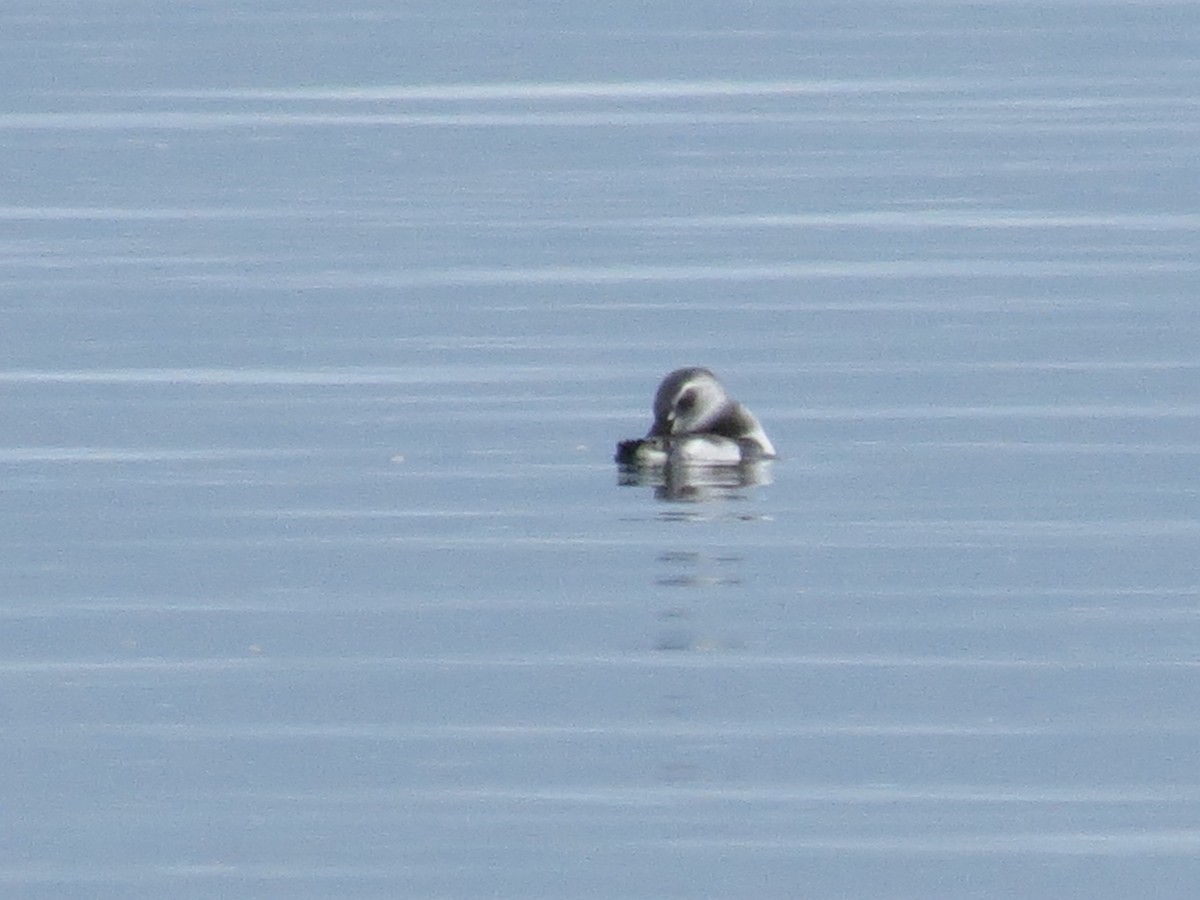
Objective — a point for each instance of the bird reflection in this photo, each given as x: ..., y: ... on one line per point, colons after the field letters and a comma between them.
x: 681, y: 483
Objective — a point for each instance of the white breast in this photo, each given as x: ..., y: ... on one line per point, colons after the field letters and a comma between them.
x: 706, y: 450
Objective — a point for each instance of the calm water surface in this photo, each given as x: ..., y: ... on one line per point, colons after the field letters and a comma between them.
x: 320, y: 325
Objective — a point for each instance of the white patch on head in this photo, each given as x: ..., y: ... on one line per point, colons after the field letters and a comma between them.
x: 699, y: 400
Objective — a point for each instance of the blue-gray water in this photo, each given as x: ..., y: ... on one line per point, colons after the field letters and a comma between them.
x: 320, y: 325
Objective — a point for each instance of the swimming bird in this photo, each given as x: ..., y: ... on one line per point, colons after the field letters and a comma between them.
x: 696, y: 423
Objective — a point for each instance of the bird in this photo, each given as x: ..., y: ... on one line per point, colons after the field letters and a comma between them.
x: 697, y: 423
